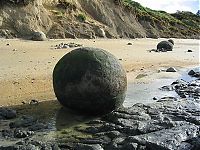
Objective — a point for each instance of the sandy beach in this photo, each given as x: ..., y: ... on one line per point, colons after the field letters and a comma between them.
x: 26, y: 66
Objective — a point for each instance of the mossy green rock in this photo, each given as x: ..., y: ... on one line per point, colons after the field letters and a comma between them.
x: 90, y: 80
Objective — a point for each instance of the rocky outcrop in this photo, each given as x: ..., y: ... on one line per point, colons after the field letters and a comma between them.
x: 166, y: 125
x: 23, y: 21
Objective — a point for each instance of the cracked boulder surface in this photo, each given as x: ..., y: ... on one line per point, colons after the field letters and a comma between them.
x: 90, y: 80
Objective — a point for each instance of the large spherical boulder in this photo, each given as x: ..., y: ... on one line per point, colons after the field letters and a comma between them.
x: 165, y: 45
x: 90, y: 80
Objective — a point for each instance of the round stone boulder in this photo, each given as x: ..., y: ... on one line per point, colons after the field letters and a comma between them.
x: 165, y: 46
x: 90, y: 80
x: 39, y: 36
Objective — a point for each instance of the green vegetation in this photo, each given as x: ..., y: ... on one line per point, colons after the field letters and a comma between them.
x: 149, y: 14
x: 81, y: 17
x: 188, y: 18
x: 181, y: 22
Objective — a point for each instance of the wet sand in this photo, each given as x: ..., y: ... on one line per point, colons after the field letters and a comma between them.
x: 26, y: 66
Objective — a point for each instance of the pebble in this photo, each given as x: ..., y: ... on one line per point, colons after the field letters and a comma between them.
x: 171, y: 69
x: 67, y: 45
x: 33, y: 101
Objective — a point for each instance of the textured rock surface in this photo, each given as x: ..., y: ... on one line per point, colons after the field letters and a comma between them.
x: 90, y: 80
x: 6, y: 113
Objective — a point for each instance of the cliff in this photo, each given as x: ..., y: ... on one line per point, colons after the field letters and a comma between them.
x: 91, y: 19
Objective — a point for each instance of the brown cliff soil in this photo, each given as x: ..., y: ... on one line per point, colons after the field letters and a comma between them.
x: 91, y: 19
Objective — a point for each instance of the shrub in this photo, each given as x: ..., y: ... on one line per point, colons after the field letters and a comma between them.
x: 81, y: 17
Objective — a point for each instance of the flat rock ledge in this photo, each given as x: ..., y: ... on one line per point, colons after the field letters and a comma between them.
x: 167, y: 124
x: 163, y: 125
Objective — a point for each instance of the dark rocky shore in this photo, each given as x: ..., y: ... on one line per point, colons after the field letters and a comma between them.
x: 170, y: 123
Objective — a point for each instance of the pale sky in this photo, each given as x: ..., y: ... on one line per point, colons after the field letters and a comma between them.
x: 171, y: 6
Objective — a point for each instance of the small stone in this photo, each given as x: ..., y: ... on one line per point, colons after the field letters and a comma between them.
x: 191, y: 72
x: 189, y: 50
x: 155, y: 98
x: 171, y: 69
x: 7, y: 44
x: 33, y: 101
x: 22, y: 134
x: 129, y: 44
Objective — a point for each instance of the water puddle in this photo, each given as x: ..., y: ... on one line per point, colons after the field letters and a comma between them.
x: 62, y: 123
x: 145, y: 92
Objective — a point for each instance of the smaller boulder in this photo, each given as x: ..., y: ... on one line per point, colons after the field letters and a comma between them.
x: 189, y: 50
x: 191, y: 72
x: 165, y: 46
x: 171, y: 69
x: 39, y: 36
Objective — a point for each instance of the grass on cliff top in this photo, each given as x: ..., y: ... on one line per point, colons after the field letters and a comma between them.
x: 188, y: 18
x: 144, y: 11
x: 183, y: 18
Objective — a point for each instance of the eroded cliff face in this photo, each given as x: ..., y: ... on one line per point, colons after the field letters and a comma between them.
x: 21, y: 21
x: 81, y: 19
